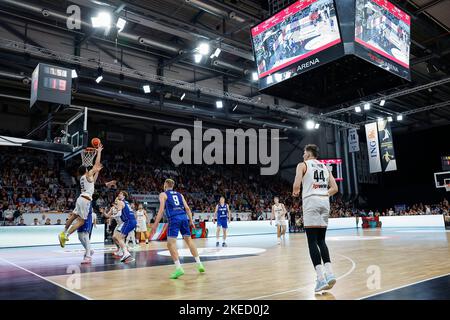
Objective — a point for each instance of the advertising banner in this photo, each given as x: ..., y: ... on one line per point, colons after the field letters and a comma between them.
x: 387, y: 152
x: 353, y: 140
x: 373, y: 147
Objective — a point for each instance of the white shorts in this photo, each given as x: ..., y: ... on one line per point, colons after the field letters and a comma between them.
x: 316, y: 210
x: 82, y: 207
x: 141, y: 226
x: 281, y: 223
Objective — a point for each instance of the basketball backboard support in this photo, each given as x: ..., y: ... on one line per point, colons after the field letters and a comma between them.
x: 69, y: 137
x: 440, y: 177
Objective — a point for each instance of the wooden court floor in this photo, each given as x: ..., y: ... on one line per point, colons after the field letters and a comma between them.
x: 366, y: 263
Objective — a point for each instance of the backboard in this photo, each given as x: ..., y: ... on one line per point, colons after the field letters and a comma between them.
x: 440, y: 177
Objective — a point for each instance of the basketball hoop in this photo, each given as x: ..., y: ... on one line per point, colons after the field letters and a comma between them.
x: 87, y: 156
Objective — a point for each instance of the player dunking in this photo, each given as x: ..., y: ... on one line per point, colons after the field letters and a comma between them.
x: 279, y: 214
x: 318, y: 186
x: 180, y: 218
x: 223, y: 216
x: 83, y: 204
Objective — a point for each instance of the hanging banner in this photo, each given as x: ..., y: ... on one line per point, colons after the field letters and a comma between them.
x: 373, y: 147
x: 353, y: 140
x: 387, y: 152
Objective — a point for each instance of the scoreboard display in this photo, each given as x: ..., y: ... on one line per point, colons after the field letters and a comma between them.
x: 51, y: 84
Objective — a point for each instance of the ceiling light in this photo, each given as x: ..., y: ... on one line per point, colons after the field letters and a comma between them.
x: 358, y: 109
x: 198, y: 57
x: 74, y: 74
x: 367, y: 106
x: 203, y: 48
x: 399, y: 117
x: 182, y: 96
x: 255, y: 76
x: 219, y: 104
x: 102, y: 20
x: 390, y: 119
x: 316, y: 126
x: 382, y: 102
x: 121, y: 24
x: 235, y: 107
x: 146, y: 88
x: 99, y: 75
x: 216, y: 53
x: 310, y: 124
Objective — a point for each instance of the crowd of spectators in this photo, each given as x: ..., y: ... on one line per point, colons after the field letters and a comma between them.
x: 31, y: 182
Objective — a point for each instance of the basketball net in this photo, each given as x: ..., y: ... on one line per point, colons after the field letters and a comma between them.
x: 87, y: 156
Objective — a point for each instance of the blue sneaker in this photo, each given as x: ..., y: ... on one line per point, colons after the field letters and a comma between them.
x: 321, y: 285
x: 331, y: 280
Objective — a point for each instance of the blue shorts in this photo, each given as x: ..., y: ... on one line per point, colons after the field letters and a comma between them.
x: 178, y: 225
x: 222, y: 223
x: 127, y: 227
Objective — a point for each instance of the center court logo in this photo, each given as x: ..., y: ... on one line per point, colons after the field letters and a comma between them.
x: 235, y: 150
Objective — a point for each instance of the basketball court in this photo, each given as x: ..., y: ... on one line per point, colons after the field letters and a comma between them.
x: 237, y: 272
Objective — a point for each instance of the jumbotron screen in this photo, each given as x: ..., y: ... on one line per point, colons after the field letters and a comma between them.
x: 304, y: 28
x: 383, y: 28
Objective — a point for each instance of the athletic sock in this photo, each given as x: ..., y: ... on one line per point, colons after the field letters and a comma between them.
x: 320, y: 271
x: 328, y: 268
x: 177, y: 264
x: 197, y: 259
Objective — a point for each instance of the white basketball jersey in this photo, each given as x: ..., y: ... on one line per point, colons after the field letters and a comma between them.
x: 316, y: 179
x: 278, y: 211
x: 140, y: 215
x: 116, y: 215
x: 87, y: 188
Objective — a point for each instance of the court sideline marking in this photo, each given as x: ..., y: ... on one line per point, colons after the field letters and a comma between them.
x: 48, y: 280
x: 304, y: 287
x: 404, y: 286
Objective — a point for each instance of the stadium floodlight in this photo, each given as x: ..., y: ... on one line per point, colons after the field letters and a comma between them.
x: 99, y: 75
x: 390, y: 119
x: 399, y: 117
x: 203, y: 48
x: 182, y: 96
x: 255, y: 76
x: 382, y: 102
x: 358, y: 109
x: 310, y: 124
x: 317, y: 126
x: 216, y: 53
x: 367, y: 106
x: 121, y: 24
x: 198, y: 57
x: 219, y: 104
x: 74, y: 74
x: 102, y: 20
x: 146, y: 88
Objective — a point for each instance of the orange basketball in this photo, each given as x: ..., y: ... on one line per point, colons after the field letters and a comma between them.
x: 96, y: 142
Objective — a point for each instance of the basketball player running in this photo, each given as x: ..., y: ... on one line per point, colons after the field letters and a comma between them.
x: 318, y: 185
x: 142, y: 219
x: 223, y: 217
x: 84, y: 235
x: 81, y: 212
x: 180, y: 218
x: 129, y: 223
x: 279, y: 213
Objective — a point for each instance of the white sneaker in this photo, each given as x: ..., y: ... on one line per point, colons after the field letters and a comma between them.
x: 125, y: 257
x: 331, y: 280
x: 321, y: 285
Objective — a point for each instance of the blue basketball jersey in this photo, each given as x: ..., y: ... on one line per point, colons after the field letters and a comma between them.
x: 222, y: 211
x: 174, y: 204
x: 127, y: 213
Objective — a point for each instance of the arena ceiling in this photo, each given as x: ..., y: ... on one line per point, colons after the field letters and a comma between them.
x: 159, y: 38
